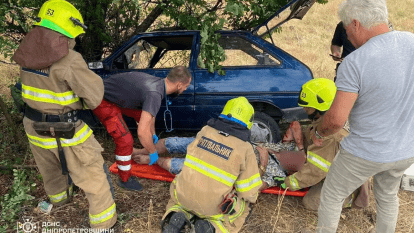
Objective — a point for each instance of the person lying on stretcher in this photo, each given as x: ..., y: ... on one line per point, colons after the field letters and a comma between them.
x: 295, y: 162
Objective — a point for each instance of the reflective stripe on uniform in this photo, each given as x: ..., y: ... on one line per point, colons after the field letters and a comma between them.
x: 294, y: 182
x: 220, y: 226
x: 78, y: 138
x: 45, y: 143
x: 123, y: 158
x: 58, y: 197
x: 50, y: 143
x: 179, y: 208
x: 103, y: 216
x: 124, y: 167
x: 242, y: 207
x: 210, y: 170
x: 318, y: 161
x: 48, y: 96
x: 175, y: 193
x: 247, y: 184
x: 61, y: 196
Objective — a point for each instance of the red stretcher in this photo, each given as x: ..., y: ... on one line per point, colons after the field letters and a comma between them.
x: 155, y: 172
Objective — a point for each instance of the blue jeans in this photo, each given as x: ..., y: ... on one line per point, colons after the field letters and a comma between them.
x: 177, y: 145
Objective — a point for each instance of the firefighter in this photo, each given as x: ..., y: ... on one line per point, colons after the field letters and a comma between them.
x: 137, y: 95
x: 220, y: 158
x: 56, y: 83
x: 316, y: 98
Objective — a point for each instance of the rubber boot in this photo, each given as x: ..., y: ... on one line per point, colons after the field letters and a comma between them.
x: 176, y: 223
x: 131, y: 184
x: 204, y: 226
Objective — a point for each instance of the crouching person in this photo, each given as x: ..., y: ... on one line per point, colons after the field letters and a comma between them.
x: 220, y: 158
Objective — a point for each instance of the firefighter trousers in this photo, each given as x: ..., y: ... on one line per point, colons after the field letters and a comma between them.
x: 85, y: 166
x: 110, y: 116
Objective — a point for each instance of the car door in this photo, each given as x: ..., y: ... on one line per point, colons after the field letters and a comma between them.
x: 156, y: 54
x: 253, y: 68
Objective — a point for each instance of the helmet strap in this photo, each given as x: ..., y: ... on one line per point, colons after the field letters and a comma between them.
x: 315, y: 116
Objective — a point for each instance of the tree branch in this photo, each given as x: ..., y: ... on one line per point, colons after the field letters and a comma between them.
x: 8, y: 63
x: 157, y: 11
x: 218, y: 3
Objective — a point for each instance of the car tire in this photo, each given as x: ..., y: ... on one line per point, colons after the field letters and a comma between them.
x: 265, y: 129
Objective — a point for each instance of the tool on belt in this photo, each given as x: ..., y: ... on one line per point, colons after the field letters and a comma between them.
x: 57, y: 130
x: 56, y: 126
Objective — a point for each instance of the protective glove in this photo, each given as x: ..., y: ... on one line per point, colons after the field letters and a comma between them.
x: 153, y: 158
x: 154, y: 138
x: 227, y: 206
x: 280, y: 181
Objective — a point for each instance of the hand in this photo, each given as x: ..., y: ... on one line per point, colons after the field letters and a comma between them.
x: 316, y: 141
x: 154, y: 138
x: 336, y: 57
x: 280, y: 181
x: 153, y: 158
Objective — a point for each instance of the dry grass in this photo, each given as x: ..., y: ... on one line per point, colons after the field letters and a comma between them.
x: 309, y: 41
x: 8, y: 73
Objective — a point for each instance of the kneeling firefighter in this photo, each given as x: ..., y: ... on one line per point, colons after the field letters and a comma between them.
x: 55, y: 82
x: 220, y: 177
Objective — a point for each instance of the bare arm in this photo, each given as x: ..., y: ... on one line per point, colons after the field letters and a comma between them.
x: 337, y: 115
x: 336, y: 51
x: 144, y: 131
x: 153, y: 126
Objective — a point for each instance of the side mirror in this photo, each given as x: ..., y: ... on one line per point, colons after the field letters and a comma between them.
x: 95, y: 65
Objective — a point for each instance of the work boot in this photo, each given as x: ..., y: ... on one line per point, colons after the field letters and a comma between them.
x: 176, y: 223
x: 131, y: 184
x: 203, y: 226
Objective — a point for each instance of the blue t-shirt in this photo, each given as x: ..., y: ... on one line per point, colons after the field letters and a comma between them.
x: 381, y: 72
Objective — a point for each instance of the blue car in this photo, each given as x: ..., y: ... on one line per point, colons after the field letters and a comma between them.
x: 267, y: 76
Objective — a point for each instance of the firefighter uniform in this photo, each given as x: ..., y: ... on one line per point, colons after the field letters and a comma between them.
x: 215, y: 163
x: 319, y: 95
x: 314, y: 171
x: 55, y: 81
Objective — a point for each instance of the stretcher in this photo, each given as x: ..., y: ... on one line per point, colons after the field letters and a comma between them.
x: 155, y: 172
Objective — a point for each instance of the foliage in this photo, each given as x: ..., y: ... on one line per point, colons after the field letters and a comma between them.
x: 113, y: 22
x: 12, y: 201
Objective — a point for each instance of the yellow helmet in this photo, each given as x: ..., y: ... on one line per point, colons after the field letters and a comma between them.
x: 61, y: 16
x: 239, y: 110
x: 317, y: 93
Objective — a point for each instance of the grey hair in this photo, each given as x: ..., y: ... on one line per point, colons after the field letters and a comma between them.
x: 369, y: 13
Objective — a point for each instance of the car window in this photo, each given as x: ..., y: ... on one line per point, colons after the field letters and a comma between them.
x: 240, y: 52
x: 156, y: 52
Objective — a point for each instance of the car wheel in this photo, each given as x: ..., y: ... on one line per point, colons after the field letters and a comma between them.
x: 265, y: 129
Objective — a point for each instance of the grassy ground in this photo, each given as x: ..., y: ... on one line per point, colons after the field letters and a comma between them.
x: 308, y: 40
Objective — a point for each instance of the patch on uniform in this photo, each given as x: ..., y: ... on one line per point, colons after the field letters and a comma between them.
x: 214, y: 147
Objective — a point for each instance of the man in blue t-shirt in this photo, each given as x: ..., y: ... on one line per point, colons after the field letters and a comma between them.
x: 137, y: 95
x: 376, y: 91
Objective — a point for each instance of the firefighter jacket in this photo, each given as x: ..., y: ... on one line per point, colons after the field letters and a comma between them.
x: 319, y: 158
x: 215, y: 164
x: 55, y: 78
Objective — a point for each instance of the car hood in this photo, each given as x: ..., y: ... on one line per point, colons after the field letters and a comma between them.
x: 295, y: 9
